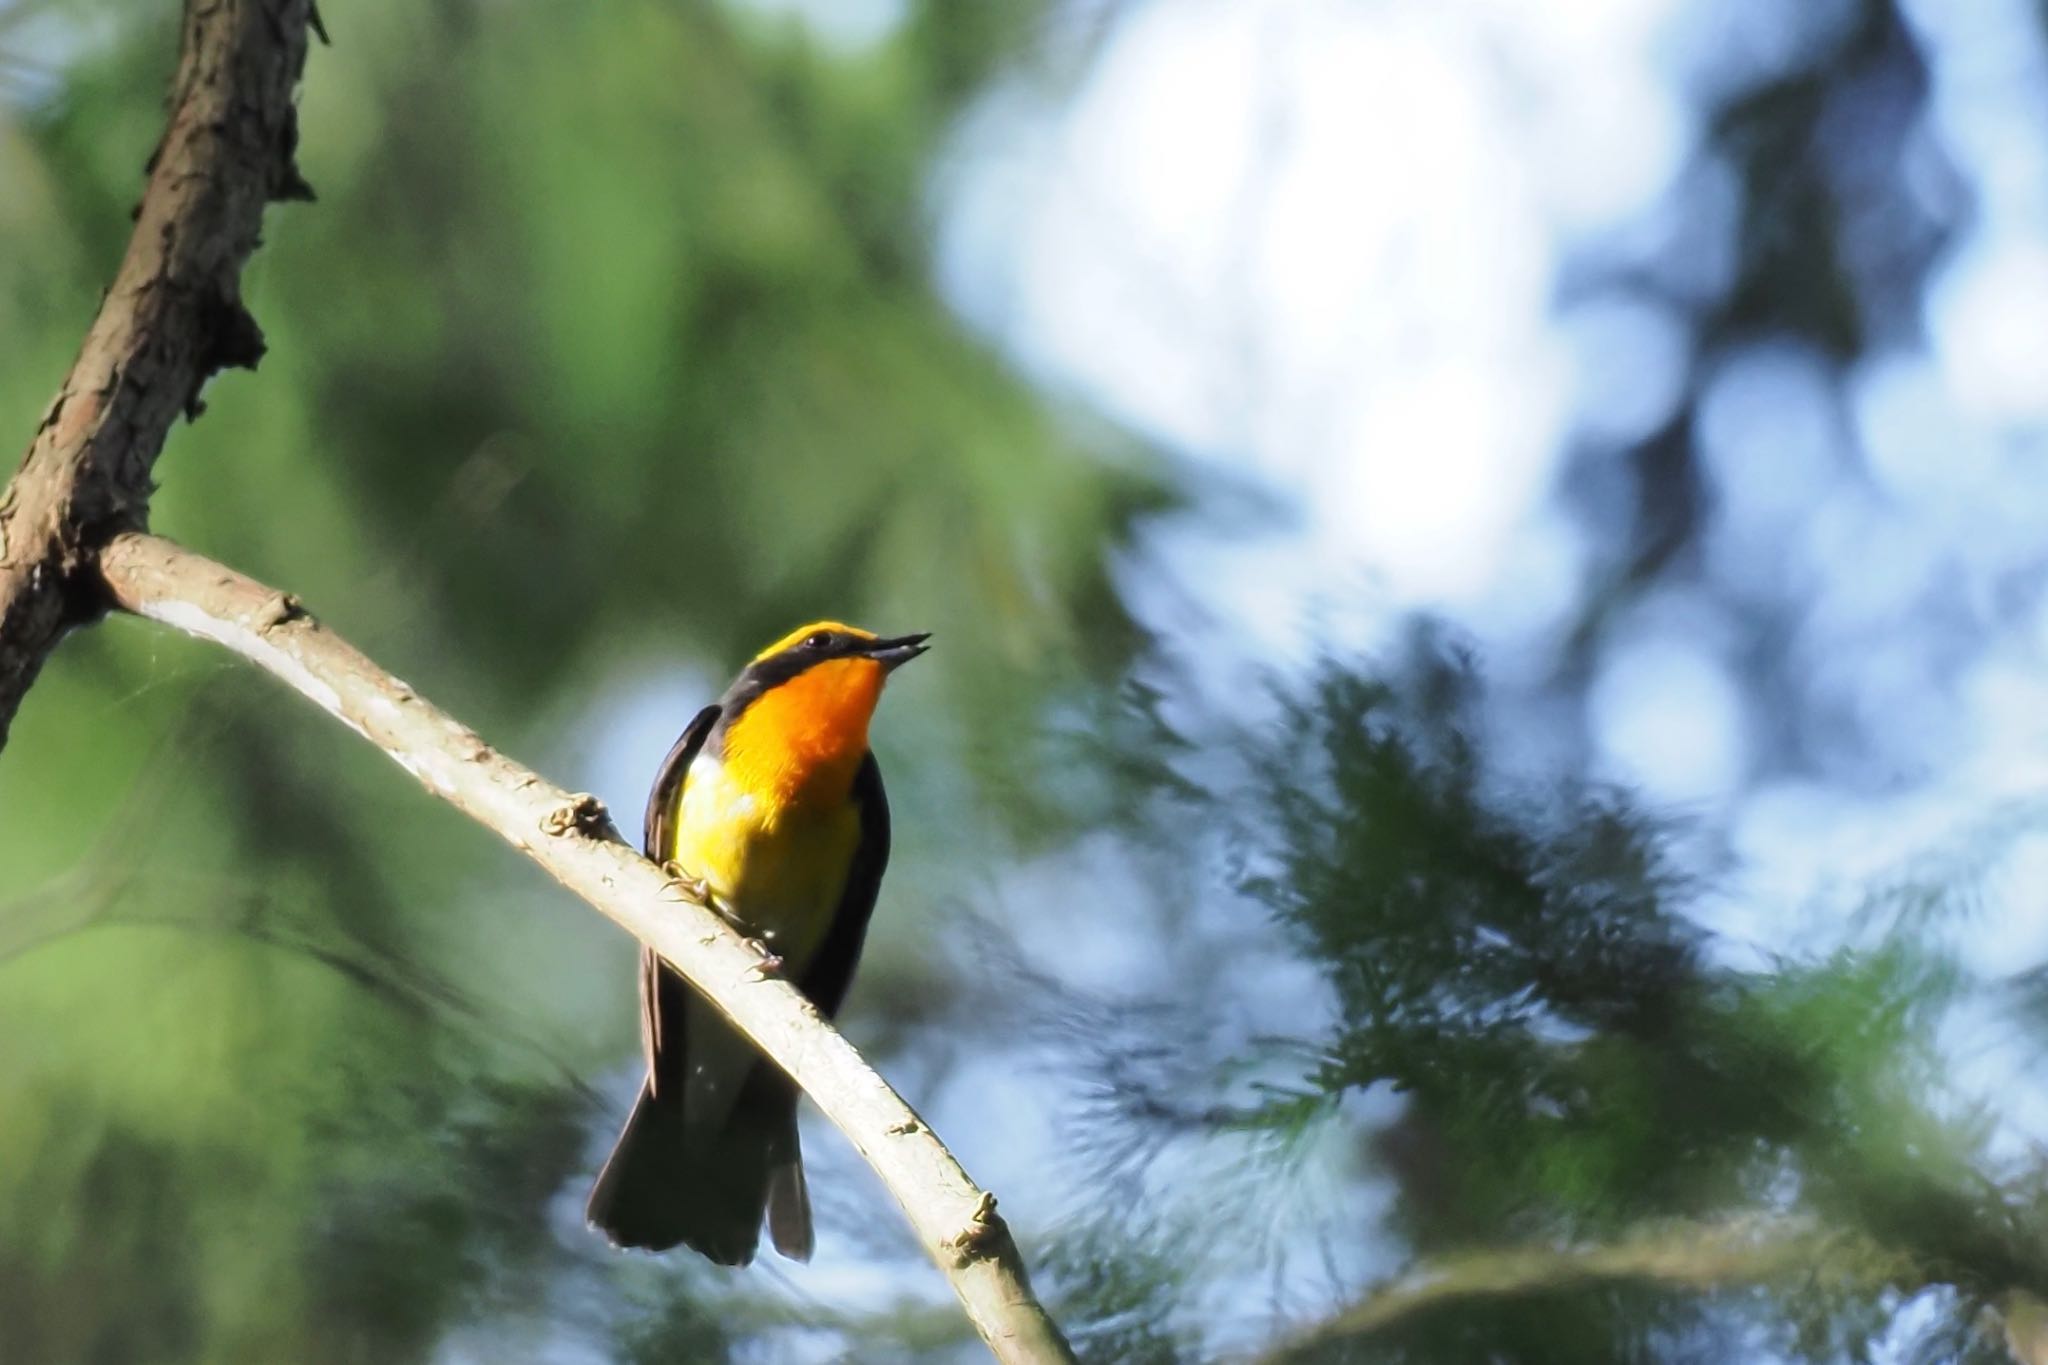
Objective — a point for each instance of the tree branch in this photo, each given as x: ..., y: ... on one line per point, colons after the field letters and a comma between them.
x: 1701, y: 1257
x: 172, y: 317
x: 573, y: 839
x: 71, y: 515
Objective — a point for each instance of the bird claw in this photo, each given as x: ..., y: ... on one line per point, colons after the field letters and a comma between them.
x: 698, y: 891
x: 769, y: 965
x: 693, y: 888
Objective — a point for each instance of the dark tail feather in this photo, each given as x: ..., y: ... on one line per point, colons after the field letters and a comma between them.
x: 789, y: 1208
x: 665, y: 1185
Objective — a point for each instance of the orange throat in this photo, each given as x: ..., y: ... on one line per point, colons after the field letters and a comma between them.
x: 800, y: 743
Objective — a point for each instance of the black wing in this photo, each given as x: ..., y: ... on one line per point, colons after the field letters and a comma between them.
x: 662, y: 992
x: 831, y: 971
x: 657, y: 831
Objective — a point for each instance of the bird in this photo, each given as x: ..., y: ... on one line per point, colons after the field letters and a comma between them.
x: 770, y: 809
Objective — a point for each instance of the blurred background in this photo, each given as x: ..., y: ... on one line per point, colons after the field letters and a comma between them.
x: 1480, y: 791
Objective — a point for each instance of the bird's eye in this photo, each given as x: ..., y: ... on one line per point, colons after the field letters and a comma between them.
x: 817, y: 639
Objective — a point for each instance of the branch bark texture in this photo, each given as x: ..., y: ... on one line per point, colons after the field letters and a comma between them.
x: 172, y: 317
x: 572, y: 838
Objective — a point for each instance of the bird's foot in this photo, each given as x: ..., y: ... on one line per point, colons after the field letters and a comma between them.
x: 770, y: 963
x: 692, y: 888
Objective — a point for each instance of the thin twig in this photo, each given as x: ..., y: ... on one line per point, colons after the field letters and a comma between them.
x: 571, y: 837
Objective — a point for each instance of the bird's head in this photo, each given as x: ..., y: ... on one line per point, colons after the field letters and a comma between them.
x: 798, y: 715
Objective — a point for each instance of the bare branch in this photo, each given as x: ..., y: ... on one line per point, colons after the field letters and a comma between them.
x: 172, y: 317
x: 571, y: 837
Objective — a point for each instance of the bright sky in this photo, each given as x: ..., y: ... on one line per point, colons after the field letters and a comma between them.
x: 1318, y: 244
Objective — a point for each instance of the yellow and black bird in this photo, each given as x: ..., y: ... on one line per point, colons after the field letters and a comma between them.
x: 772, y: 800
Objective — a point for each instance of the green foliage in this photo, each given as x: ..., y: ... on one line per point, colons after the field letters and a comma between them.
x: 1562, y: 1059
x: 607, y: 353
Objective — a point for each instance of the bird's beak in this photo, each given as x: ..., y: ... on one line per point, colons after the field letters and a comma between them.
x: 892, y: 654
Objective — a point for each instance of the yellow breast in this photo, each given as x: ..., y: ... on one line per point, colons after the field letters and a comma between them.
x: 776, y: 869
